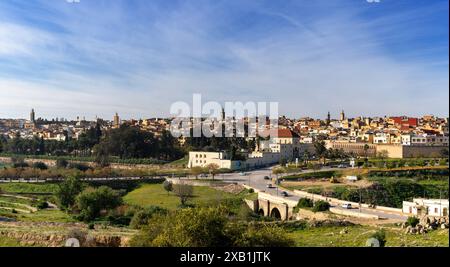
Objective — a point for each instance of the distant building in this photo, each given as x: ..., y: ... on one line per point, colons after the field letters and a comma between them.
x: 430, y: 207
x: 116, y: 121
x: 342, y: 115
x: 283, y: 144
x: 32, y: 116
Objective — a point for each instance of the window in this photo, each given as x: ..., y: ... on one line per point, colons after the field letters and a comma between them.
x: 435, y: 210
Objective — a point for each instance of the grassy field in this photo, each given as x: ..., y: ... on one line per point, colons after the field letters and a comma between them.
x: 358, y: 235
x: 9, y: 242
x: 45, y: 216
x: 27, y: 188
x: 154, y: 194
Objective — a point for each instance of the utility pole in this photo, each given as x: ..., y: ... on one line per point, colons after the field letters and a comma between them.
x: 276, y: 182
x: 360, y: 200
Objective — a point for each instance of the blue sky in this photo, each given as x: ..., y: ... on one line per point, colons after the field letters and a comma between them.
x: 136, y: 57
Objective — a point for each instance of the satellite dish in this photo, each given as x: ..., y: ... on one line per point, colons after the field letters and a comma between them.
x: 72, y: 242
x: 372, y: 242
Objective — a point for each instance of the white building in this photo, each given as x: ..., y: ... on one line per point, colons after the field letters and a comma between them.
x: 430, y: 207
x: 424, y: 139
x: 283, y: 144
x: 381, y: 138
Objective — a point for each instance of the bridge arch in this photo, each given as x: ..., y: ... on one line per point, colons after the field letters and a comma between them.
x: 275, y: 213
x: 261, y: 212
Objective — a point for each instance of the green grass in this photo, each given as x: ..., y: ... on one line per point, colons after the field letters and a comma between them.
x: 16, y: 200
x: 180, y: 162
x: 39, y: 216
x: 358, y: 235
x: 154, y: 194
x: 46, y: 216
x: 9, y: 242
x: 27, y: 188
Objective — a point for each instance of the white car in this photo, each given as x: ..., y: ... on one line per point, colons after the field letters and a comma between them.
x: 347, y: 206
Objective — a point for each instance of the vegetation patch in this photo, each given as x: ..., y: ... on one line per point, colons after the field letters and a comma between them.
x: 155, y: 195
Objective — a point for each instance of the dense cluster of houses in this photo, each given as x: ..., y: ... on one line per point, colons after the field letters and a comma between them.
x: 394, y: 137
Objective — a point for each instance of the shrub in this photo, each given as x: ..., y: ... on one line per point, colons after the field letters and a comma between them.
x: 42, y: 205
x: 305, y: 203
x: 380, y: 236
x: 184, y: 192
x: 207, y: 227
x: 91, y: 226
x: 141, y: 217
x: 412, y: 221
x: 321, y: 206
x: 40, y: 165
x: 79, y: 166
x: 20, y: 164
x: 92, y: 201
x: 62, y: 163
x: 168, y: 186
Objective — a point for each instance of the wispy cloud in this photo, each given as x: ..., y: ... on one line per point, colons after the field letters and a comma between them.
x: 98, y: 57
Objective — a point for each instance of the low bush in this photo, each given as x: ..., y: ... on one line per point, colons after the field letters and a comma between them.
x: 380, y: 236
x: 42, y: 205
x: 40, y: 165
x: 321, y: 206
x: 304, y: 203
x: 412, y: 221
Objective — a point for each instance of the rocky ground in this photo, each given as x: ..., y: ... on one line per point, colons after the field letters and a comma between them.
x: 427, y: 224
x: 55, y: 234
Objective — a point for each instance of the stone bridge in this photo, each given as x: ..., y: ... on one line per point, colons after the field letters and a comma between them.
x: 272, y: 206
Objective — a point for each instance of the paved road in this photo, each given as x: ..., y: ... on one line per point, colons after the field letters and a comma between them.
x: 255, y: 179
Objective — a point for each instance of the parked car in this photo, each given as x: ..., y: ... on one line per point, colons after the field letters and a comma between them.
x: 347, y: 206
x: 269, y: 186
x: 284, y: 194
x: 243, y: 174
x: 266, y: 178
x: 203, y: 175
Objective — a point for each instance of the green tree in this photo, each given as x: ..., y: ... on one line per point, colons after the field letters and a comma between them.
x: 321, y: 206
x: 92, y: 201
x: 184, y: 192
x: 321, y: 150
x: 168, y: 186
x: 68, y: 190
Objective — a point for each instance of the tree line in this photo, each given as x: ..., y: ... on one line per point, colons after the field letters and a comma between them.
x: 125, y: 142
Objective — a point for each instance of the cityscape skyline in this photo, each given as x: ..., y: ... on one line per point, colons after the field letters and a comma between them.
x: 368, y: 58
x: 327, y: 115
